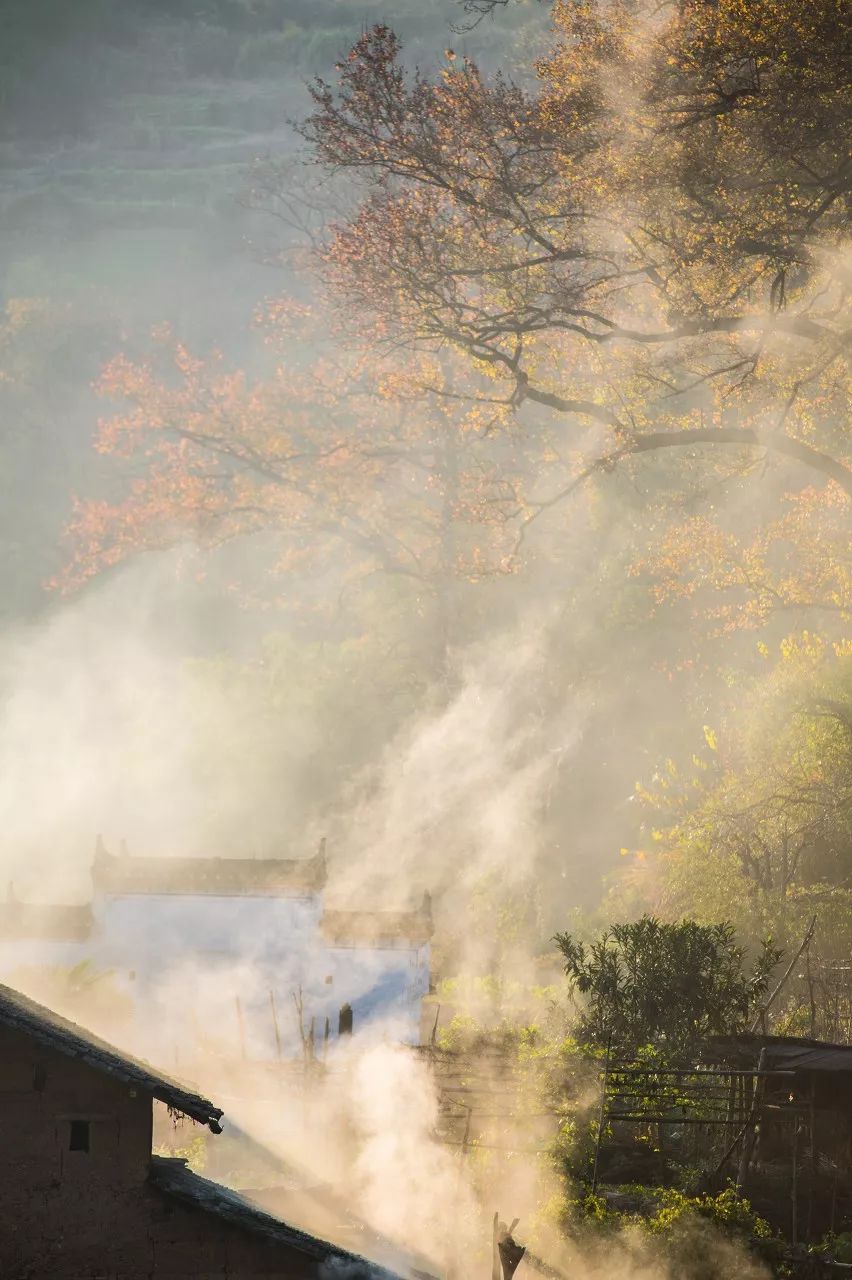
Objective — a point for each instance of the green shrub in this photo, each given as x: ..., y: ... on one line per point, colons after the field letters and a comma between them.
x: 728, y: 1211
x: 837, y: 1246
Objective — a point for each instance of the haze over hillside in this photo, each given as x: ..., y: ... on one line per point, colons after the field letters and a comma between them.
x: 127, y: 139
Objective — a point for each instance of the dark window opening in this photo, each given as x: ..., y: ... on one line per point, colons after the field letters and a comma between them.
x: 345, y: 1020
x: 39, y: 1077
x: 79, y: 1136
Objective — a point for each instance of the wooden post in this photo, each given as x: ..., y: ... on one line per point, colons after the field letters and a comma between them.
x: 511, y: 1254
x: 794, y: 1215
x: 811, y: 1001
x: 741, y: 1088
x: 601, y: 1113
x: 812, y: 1160
x: 732, y: 1099
x: 743, y: 1118
x: 300, y: 1022
x: 275, y: 1024
x: 506, y: 1253
x: 464, y: 1142
x: 751, y: 1123
x: 496, y: 1273
x: 325, y: 1040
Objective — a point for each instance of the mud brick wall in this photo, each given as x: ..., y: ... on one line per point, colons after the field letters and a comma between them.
x: 92, y: 1215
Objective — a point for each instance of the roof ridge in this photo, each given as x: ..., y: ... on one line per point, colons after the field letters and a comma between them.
x: 213, y: 874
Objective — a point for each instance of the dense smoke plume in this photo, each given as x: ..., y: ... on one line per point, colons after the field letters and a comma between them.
x: 162, y: 708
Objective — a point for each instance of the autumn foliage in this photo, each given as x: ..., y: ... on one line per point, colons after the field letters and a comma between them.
x: 649, y: 242
x: 640, y: 251
x: 325, y: 460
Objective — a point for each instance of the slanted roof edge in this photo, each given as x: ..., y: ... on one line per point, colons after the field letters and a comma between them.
x: 173, y: 1178
x: 50, y: 1029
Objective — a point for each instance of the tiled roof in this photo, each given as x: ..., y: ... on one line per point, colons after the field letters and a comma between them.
x: 232, y: 877
x: 174, y: 1179
x: 47, y: 1028
x: 787, y: 1053
x: 292, y: 1193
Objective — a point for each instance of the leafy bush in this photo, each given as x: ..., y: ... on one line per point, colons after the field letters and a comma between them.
x: 837, y: 1246
x: 649, y: 980
x: 728, y: 1211
x: 194, y: 1153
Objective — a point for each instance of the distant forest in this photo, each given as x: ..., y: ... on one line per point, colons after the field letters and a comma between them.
x: 62, y: 64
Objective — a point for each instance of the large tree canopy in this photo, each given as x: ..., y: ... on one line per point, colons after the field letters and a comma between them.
x: 640, y: 250
x: 622, y: 273
x: 658, y: 226
x: 648, y: 242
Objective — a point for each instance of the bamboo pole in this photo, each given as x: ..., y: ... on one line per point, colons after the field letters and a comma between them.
x: 766, y: 1007
x: 601, y: 1113
x: 749, y: 1129
x: 794, y: 1197
x: 812, y: 1160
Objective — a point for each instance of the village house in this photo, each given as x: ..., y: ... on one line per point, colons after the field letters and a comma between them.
x: 771, y: 1114
x: 251, y: 937
x: 82, y: 1194
x: 795, y: 1159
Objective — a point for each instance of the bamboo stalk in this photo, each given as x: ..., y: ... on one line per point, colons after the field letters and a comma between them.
x: 601, y: 1115
x: 766, y: 1007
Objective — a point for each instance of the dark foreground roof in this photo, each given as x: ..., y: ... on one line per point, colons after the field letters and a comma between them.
x: 293, y: 1193
x: 233, y: 877
x: 788, y: 1053
x: 47, y: 1028
x: 177, y: 1181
